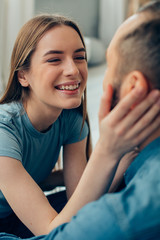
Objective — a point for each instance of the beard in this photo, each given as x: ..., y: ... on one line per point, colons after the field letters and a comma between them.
x: 115, y: 99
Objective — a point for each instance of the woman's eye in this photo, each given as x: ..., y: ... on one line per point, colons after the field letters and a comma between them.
x: 80, y: 58
x: 53, y: 60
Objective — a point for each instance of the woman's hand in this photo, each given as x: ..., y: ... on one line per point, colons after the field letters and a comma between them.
x: 126, y: 127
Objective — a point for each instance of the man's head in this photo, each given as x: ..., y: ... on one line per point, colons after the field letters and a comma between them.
x: 133, y: 56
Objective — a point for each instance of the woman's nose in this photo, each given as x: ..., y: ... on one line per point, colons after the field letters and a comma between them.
x: 70, y: 68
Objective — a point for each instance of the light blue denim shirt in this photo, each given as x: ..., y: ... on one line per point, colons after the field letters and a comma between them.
x: 133, y: 213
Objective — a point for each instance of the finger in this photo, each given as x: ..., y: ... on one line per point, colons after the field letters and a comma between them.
x: 148, y: 131
x: 142, y: 114
x: 106, y: 101
x: 124, y: 106
x: 146, y: 121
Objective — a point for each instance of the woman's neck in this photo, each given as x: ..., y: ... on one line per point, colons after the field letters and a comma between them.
x: 41, y: 116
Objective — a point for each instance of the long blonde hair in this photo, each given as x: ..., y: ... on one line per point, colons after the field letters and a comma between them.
x: 25, y: 45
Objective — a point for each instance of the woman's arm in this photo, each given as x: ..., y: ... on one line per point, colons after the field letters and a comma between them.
x: 25, y: 197
x: 74, y: 163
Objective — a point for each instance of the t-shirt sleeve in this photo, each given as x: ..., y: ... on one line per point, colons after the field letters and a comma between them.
x: 74, y: 132
x: 9, y: 142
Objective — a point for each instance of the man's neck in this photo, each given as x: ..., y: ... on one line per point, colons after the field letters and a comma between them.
x: 150, y: 139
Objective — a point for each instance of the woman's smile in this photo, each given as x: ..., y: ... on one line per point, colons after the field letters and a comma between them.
x: 69, y: 88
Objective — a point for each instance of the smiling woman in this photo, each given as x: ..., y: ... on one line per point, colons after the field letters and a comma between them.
x: 59, y: 60
x: 42, y: 110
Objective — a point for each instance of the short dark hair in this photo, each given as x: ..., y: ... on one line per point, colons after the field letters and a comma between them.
x: 152, y: 7
x: 140, y: 50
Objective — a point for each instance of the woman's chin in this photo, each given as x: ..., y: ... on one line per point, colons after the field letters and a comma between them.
x: 72, y: 105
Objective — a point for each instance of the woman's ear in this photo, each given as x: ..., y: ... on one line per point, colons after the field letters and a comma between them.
x: 22, y: 78
x: 133, y: 80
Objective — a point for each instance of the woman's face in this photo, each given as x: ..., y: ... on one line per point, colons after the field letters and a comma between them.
x: 58, y: 72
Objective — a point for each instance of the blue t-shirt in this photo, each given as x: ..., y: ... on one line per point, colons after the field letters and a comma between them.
x: 37, y: 151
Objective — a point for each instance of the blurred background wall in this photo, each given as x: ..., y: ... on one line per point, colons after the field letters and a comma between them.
x: 98, y: 20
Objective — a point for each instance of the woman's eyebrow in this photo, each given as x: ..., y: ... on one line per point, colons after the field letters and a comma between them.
x: 80, y: 50
x: 53, y: 52
x: 61, y: 52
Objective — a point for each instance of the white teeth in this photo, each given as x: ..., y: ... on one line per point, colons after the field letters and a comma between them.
x: 69, y: 87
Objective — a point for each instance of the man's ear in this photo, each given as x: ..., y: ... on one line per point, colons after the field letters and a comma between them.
x: 22, y: 78
x: 133, y: 80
